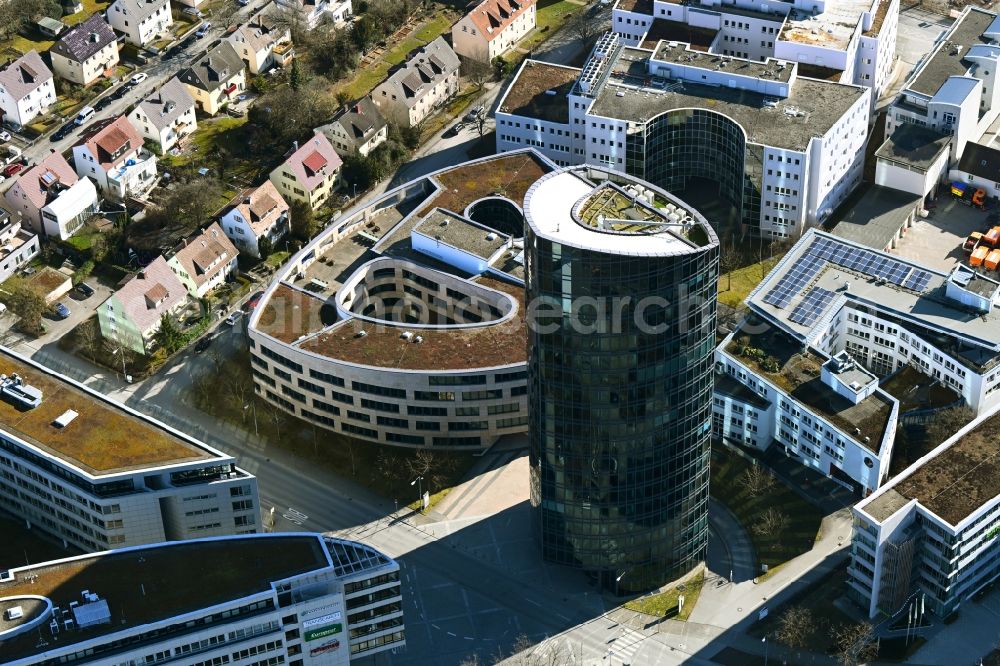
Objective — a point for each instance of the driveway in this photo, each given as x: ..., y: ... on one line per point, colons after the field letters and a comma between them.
x: 937, y: 240
x: 80, y: 310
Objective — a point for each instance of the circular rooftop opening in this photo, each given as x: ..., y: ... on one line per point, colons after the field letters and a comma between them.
x: 498, y: 213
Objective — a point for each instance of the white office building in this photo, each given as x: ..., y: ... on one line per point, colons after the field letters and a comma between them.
x: 850, y: 41
x: 298, y: 599
x: 96, y: 474
x: 954, y: 89
x: 872, y: 313
x: 783, y: 150
x: 930, y: 535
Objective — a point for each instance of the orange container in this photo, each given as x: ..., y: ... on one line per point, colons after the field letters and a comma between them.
x: 978, y: 256
x: 992, y: 260
x: 992, y: 236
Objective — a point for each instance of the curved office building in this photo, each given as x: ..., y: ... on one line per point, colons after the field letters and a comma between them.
x: 622, y: 279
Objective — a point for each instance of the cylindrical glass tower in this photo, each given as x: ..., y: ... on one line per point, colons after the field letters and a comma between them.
x: 621, y: 286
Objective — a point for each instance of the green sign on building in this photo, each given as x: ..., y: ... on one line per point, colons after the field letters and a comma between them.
x: 323, y: 632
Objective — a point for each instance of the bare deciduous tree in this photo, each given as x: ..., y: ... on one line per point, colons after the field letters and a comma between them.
x: 729, y: 259
x: 584, y: 26
x: 526, y: 653
x: 478, y: 73
x: 796, y: 627
x: 770, y: 523
x: 856, y: 643
x: 757, y: 480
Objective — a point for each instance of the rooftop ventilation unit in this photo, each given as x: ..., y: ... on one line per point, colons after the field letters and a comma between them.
x: 65, y: 418
x: 418, y: 339
x: 406, y: 335
x: 360, y: 334
x: 14, y: 389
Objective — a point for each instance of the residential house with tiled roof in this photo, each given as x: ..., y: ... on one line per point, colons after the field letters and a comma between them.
x: 310, y: 173
x: 314, y: 12
x: 166, y: 115
x: 52, y: 197
x: 416, y: 89
x: 17, y: 245
x: 254, y: 214
x: 27, y: 89
x: 492, y: 28
x: 141, y: 21
x: 111, y: 153
x: 357, y: 129
x: 85, y: 52
x: 215, y: 78
x: 131, y: 316
x: 265, y: 41
x: 204, y: 261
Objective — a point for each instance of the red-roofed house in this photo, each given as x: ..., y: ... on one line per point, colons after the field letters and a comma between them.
x: 204, y: 261
x: 132, y: 315
x: 52, y: 198
x: 112, y: 155
x: 254, y: 214
x: 310, y: 173
x: 492, y: 28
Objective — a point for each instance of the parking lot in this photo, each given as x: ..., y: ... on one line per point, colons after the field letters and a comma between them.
x: 937, y: 240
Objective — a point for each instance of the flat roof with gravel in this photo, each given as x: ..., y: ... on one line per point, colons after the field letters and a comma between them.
x: 101, y: 439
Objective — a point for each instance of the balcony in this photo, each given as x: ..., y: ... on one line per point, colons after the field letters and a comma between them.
x: 133, y: 177
x: 283, y: 53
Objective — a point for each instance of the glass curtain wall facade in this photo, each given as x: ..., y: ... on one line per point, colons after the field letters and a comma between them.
x: 675, y: 146
x: 620, y: 412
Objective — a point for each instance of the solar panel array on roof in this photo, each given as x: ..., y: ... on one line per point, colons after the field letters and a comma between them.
x: 823, y: 250
x: 812, y: 306
x: 797, y: 277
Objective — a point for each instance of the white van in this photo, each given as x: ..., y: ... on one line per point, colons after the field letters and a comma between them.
x: 84, y: 115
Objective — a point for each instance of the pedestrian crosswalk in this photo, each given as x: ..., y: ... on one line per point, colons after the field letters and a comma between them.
x: 625, y: 647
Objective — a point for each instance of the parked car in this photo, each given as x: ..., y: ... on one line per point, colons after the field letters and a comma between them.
x: 4, y: 135
x: 203, y: 30
x: 103, y: 103
x: 138, y: 78
x: 172, y: 52
x: 120, y: 92
x: 474, y: 114
x: 13, y: 169
x: 234, y: 317
x: 62, y: 311
x: 254, y: 300
x: 85, y: 290
x: 243, y: 3
x: 203, y: 344
x: 13, y: 155
x: 454, y: 130
x: 86, y: 113
x: 193, y: 11
x: 64, y: 131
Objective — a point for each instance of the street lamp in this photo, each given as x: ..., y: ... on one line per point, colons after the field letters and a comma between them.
x: 420, y: 489
x: 618, y: 580
x: 764, y: 641
x: 355, y: 185
x: 254, y: 405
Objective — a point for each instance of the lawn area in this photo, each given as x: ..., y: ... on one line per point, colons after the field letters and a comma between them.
x: 550, y: 15
x: 276, y: 259
x: 365, y: 79
x: 736, y: 285
x: 803, y: 519
x: 229, y: 134
x: 664, y: 604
